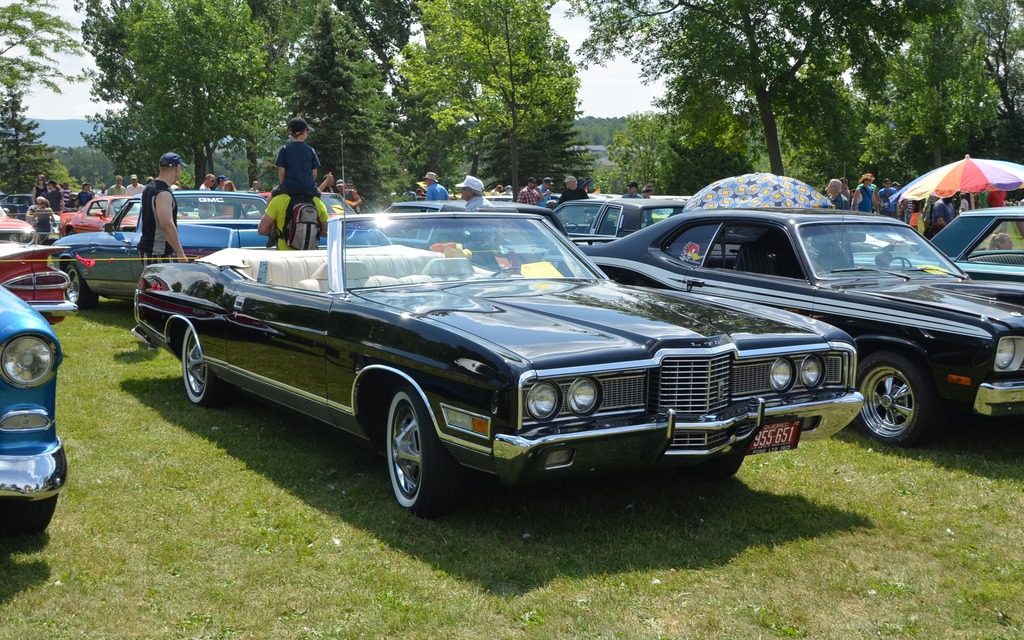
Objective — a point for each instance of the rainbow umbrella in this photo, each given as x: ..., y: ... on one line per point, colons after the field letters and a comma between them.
x: 970, y: 174
x: 757, y: 190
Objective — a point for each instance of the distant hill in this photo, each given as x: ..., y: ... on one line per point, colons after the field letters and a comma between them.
x: 64, y: 133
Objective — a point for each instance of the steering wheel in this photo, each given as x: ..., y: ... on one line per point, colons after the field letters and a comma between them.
x: 903, y: 262
x: 506, y: 272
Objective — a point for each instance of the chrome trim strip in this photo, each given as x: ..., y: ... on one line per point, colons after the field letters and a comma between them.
x: 277, y: 384
x: 55, y: 308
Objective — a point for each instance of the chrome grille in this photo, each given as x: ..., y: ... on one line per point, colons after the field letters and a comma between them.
x: 692, y: 385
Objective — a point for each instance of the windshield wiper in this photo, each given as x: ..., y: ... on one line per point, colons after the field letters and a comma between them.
x: 872, y: 270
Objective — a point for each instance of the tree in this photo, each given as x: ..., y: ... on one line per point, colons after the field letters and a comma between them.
x: 953, y: 99
x: 1001, y: 25
x: 22, y: 155
x: 494, y: 65
x: 559, y: 151
x: 748, y: 55
x: 386, y: 24
x: 190, y: 99
x: 340, y: 92
x: 31, y: 36
x: 638, y: 151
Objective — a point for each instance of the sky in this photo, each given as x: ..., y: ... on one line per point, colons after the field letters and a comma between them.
x: 614, y: 90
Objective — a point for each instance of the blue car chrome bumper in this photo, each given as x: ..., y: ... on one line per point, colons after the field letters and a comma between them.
x: 35, y: 476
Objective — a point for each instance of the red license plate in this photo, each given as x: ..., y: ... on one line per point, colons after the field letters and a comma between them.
x: 776, y: 436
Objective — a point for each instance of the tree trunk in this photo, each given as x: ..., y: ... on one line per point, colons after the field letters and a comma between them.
x: 771, y: 130
x: 937, y: 156
x: 250, y: 160
x: 513, y: 156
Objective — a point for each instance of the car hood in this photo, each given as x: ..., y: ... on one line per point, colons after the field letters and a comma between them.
x: 563, y: 323
x: 984, y: 300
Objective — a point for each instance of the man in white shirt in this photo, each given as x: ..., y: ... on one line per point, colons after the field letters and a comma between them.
x: 133, y: 188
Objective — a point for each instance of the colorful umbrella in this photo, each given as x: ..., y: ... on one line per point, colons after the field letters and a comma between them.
x: 970, y: 174
x: 757, y: 190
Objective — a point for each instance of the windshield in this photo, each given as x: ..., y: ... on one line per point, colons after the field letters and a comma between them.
x: 398, y: 250
x: 836, y: 250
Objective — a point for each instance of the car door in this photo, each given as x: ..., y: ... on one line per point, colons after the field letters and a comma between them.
x: 752, y: 262
x: 609, y: 221
x: 579, y: 216
x: 276, y: 337
x: 109, y: 262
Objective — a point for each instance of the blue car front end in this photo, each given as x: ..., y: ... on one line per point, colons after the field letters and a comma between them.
x: 33, y: 465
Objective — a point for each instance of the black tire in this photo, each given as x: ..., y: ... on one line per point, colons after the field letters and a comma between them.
x: 901, y: 404
x: 19, y: 517
x: 717, y: 469
x: 202, y: 386
x: 78, y: 290
x: 425, y: 478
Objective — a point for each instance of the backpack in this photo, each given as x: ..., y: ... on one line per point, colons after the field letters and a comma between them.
x: 302, y: 225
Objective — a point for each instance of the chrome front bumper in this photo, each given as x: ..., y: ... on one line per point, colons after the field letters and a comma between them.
x: 1000, y: 399
x: 527, y: 456
x: 33, y: 477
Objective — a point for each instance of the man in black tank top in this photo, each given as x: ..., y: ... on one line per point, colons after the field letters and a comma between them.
x: 159, y: 217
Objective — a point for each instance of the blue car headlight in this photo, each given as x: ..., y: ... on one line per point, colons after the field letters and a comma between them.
x: 27, y: 361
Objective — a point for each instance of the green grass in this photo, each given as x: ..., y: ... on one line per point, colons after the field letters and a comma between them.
x: 248, y: 522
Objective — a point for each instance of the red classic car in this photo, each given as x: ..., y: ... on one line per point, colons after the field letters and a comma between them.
x: 14, y: 230
x: 26, y: 272
x: 91, y: 216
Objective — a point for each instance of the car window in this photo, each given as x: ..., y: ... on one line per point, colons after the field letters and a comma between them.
x: 836, y: 249
x: 383, y: 252
x: 693, y: 244
x: 754, y: 248
x: 578, y: 217
x: 650, y: 216
x: 96, y: 209
x: 610, y: 222
x: 1004, y: 244
x: 219, y: 207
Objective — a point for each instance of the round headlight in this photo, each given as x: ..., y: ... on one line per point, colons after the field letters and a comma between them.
x: 1006, y: 353
x: 28, y: 361
x: 781, y: 374
x: 811, y: 371
x: 543, y: 401
x: 583, y: 396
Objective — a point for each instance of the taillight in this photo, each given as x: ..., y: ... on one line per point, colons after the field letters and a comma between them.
x: 50, y: 279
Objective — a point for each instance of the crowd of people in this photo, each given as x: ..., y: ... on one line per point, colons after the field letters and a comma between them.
x: 929, y: 215
x: 534, y: 192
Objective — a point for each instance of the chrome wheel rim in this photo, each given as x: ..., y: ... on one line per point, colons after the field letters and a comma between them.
x: 406, y: 454
x: 74, y: 285
x: 889, y: 402
x: 194, y: 367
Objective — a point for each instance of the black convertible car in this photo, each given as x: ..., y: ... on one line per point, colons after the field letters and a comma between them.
x: 925, y: 334
x: 452, y: 340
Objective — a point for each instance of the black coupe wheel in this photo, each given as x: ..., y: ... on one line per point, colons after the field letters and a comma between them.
x: 78, y: 290
x: 901, y: 405
x: 425, y: 478
x: 26, y: 518
x: 202, y: 385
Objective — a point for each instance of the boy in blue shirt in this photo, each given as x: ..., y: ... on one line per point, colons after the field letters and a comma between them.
x: 297, y: 165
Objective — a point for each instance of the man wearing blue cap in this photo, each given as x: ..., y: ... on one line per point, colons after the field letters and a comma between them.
x: 159, y: 217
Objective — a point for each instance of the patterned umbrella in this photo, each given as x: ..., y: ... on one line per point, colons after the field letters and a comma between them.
x: 970, y: 174
x: 757, y: 190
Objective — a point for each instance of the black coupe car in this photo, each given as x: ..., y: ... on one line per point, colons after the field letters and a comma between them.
x: 452, y: 340
x: 925, y: 334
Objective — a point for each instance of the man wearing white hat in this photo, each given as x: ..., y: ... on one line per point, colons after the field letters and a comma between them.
x: 434, y: 190
x: 473, y: 193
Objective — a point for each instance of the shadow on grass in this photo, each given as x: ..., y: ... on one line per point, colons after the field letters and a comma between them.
x: 19, y: 576
x: 509, y: 540
x: 987, y: 447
